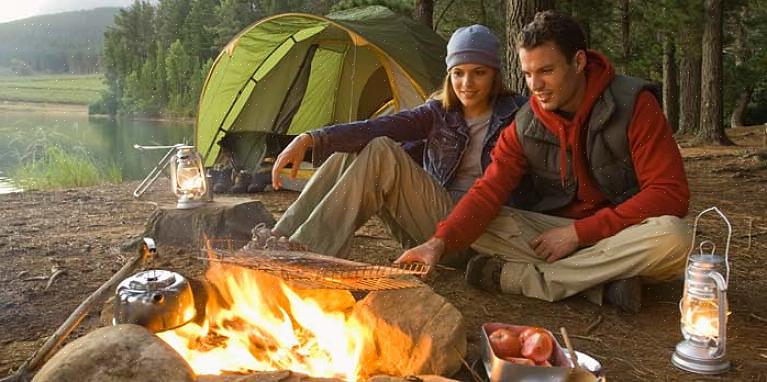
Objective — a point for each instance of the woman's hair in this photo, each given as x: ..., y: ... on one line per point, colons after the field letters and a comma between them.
x: 446, y: 95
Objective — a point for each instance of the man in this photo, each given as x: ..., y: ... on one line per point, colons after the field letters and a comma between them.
x: 598, y: 177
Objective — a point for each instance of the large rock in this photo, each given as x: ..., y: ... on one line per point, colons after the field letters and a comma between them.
x: 227, y: 218
x: 120, y: 353
x: 415, y: 331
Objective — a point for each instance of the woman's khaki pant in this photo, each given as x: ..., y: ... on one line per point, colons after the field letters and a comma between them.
x: 349, y: 189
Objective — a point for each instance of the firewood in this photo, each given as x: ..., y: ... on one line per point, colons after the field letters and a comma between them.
x: 54, y: 276
x: 594, y: 324
x: 51, y: 345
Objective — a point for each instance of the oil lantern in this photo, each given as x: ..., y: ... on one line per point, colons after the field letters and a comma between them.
x: 188, y: 178
x: 704, y: 306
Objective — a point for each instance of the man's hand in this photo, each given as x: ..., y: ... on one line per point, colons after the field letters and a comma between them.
x: 427, y: 253
x: 293, y: 155
x: 556, y: 243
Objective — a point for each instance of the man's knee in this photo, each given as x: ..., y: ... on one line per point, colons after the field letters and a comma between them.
x: 674, y: 233
x: 672, y: 242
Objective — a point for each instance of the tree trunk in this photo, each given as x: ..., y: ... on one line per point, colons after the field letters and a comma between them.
x: 424, y: 12
x: 742, y: 52
x: 625, y: 36
x: 670, y: 84
x: 739, y: 111
x: 689, y: 80
x: 518, y: 14
x: 711, y: 113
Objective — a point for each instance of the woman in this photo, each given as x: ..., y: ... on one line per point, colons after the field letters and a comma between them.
x: 460, y: 125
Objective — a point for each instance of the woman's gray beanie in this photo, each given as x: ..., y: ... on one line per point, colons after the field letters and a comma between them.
x: 474, y: 44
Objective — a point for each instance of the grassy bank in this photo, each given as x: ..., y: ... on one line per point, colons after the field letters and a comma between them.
x: 61, y: 88
x: 59, y: 168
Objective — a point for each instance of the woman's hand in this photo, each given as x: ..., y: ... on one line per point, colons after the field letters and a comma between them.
x: 293, y: 155
x: 427, y: 253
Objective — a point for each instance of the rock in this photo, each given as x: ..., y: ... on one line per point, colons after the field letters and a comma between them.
x: 415, y: 331
x: 230, y: 219
x: 417, y: 378
x: 118, y: 353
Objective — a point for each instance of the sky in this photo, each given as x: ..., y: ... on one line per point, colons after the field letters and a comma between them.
x: 19, y: 9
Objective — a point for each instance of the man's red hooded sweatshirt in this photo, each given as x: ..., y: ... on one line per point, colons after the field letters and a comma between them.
x: 655, y: 155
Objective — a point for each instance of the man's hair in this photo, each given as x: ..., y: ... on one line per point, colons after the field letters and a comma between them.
x: 555, y: 27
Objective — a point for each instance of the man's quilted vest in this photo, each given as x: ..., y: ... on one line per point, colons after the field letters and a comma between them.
x: 607, y: 151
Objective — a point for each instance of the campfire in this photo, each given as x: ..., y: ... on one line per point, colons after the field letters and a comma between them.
x: 256, y: 322
x: 265, y: 312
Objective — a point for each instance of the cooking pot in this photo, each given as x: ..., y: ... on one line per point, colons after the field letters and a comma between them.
x: 156, y: 299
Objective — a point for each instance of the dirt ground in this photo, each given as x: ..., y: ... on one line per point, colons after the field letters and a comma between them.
x: 81, y: 232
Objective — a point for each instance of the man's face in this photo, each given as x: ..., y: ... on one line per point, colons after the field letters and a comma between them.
x: 551, y: 77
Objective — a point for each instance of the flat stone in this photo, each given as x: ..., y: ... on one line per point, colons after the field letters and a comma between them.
x: 229, y: 218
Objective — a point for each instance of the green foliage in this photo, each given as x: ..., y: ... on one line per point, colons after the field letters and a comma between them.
x: 404, y: 7
x: 67, y: 42
x: 61, y: 88
x: 158, y: 53
x: 57, y: 168
x: 232, y: 16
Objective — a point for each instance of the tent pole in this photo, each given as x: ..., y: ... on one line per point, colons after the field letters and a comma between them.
x: 239, y: 93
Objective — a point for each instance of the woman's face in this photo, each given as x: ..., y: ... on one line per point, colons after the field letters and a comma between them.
x: 472, y: 83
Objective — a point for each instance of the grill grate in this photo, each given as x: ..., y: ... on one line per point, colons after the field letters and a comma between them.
x: 307, y: 270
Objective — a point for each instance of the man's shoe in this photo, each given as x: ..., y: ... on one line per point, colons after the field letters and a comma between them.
x: 484, y: 272
x: 625, y: 294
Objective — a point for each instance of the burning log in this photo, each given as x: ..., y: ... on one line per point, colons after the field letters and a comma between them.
x: 255, y: 321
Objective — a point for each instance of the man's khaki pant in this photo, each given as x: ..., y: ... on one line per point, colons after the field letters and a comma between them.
x: 349, y: 189
x: 655, y: 250
x: 383, y: 180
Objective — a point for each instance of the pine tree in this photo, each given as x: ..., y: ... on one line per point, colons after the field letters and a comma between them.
x: 171, y: 15
x: 712, y: 111
x: 197, y: 32
x: 518, y: 14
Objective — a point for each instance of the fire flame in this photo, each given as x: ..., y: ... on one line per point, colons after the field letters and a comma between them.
x: 701, y: 318
x: 255, y: 322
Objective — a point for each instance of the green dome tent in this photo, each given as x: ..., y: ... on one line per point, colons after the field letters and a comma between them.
x: 294, y: 72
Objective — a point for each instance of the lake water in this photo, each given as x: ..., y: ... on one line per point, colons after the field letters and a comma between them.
x: 26, y: 128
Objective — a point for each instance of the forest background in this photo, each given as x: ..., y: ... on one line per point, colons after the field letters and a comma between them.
x: 708, y: 55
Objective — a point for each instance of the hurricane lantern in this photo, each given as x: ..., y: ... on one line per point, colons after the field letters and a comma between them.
x: 188, y: 178
x: 704, y: 306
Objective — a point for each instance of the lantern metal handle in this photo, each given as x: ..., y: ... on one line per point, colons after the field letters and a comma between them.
x: 721, y: 290
x: 158, y: 168
x: 726, y: 248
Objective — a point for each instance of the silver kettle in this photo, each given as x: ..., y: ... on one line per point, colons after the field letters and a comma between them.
x: 156, y: 299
